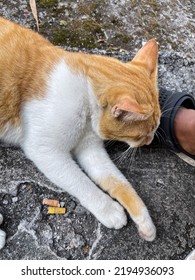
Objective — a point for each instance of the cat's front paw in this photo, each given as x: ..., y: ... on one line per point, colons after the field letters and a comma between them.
x: 148, y: 232
x: 112, y: 215
x: 146, y: 228
x: 2, y: 234
x: 2, y: 239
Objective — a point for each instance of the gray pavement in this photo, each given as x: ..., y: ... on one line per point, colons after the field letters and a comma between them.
x: 165, y: 182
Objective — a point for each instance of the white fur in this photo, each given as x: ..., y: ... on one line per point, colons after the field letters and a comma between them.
x: 145, y: 225
x: 65, y: 125
x: 12, y: 134
x: 2, y: 234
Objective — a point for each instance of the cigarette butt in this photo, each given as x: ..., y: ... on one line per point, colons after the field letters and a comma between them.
x: 56, y: 210
x: 51, y: 202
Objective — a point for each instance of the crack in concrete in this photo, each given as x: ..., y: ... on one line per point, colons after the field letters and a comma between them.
x: 25, y: 226
x: 95, y: 244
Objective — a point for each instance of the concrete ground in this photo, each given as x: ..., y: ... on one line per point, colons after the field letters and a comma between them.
x: 164, y: 181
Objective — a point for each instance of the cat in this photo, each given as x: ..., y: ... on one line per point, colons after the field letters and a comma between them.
x: 60, y: 106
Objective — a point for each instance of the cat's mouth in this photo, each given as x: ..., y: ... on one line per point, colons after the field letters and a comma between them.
x: 149, y: 139
x: 141, y: 142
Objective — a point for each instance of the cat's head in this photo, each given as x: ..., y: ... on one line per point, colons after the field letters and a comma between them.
x: 130, y: 106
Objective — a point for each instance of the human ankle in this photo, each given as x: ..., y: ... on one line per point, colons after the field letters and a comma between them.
x: 184, y: 129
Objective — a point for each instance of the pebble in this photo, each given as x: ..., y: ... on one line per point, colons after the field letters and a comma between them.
x: 14, y: 199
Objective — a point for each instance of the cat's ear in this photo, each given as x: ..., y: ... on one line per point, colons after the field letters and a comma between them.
x: 128, y: 110
x: 148, y: 56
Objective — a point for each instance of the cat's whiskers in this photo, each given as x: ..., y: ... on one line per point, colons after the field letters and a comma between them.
x: 109, y: 143
x: 128, y: 154
x: 168, y: 110
x: 122, y: 156
x: 163, y: 110
x: 162, y: 134
x: 168, y: 102
x: 158, y: 135
x: 119, y: 157
x: 132, y: 157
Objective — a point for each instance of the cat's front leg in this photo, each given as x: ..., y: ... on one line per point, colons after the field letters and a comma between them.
x: 123, y: 191
x: 96, y: 162
x: 62, y: 170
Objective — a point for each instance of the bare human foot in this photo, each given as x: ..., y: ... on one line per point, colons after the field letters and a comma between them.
x: 184, y: 128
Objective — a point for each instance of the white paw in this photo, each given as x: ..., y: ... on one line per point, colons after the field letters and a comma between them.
x: 112, y: 215
x: 146, y: 228
x: 191, y: 256
x: 2, y: 239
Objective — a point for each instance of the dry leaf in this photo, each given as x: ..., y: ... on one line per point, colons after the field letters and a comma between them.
x: 34, y: 11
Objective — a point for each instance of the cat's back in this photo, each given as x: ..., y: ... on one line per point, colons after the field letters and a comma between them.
x: 11, y: 31
x: 5, y: 26
x: 26, y: 58
x: 22, y: 45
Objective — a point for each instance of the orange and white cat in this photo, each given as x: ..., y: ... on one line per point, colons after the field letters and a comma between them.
x: 59, y: 106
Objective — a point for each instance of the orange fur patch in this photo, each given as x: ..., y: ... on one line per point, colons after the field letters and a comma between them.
x: 124, y: 193
x: 25, y: 61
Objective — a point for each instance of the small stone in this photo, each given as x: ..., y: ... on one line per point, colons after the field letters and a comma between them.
x: 63, y: 23
x: 160, y: 182
x: 14, y: 199
x: 5, y: 201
